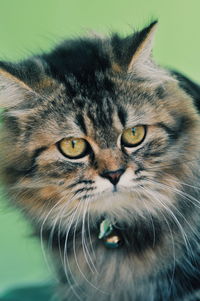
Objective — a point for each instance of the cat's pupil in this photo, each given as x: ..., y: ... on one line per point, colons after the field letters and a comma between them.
x: 73, y: 143
x: 133, y: 130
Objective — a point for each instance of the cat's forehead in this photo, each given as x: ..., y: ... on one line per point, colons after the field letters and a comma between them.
x: 104, y: 113
x: 126, y: 102
x: 96, y: 84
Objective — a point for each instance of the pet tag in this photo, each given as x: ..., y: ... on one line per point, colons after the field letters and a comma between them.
x: 107, y: 234
x: 112, y: 242
x: 106, y: 228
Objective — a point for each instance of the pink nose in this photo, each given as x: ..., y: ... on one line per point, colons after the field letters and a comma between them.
x: 113, y: 175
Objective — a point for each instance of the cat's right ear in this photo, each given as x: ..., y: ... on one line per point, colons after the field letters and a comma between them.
x: 13, y: 91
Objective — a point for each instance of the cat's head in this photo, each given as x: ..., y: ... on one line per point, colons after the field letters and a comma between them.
x: 96, y: 127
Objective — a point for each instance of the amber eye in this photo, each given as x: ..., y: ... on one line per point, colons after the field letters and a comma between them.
x: 133, y: 136
x: 73, y: 148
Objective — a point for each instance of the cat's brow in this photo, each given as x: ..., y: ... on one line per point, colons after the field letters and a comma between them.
x: 79, y: 120
x: 122, y: 114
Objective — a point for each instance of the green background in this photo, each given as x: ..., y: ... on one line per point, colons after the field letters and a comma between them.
x: 29, y: 26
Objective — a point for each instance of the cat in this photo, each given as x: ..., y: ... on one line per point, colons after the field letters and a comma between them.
x: 100, y: 150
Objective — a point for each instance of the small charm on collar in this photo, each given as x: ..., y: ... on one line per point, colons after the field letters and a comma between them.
x: 106, y: 228
x: 109, y: 236
x: 112, y: 242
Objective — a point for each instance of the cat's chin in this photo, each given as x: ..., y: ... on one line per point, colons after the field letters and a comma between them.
x: 121, y: 205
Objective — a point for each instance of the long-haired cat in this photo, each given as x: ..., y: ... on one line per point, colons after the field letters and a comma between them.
x: 100, y: 149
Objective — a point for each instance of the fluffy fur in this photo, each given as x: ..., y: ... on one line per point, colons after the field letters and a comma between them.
x: 94, y: 88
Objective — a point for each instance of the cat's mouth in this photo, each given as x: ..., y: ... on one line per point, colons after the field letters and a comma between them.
x: 119, y: 203
x: 116, y: 193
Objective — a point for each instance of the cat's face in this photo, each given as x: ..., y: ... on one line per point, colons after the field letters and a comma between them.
x: 119, y: 156
x: 111, y: 145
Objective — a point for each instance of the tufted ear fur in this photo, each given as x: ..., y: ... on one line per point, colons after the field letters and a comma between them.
x: 143, y: 52
x: 13, y: 91
x: 142, y: 64
x: 135, y: 55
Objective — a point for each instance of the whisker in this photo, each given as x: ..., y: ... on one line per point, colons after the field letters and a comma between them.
x: 171, y: 164
x: 41, y: 235
x: 153, y: 227
x: 66, y: 260
x: 173, y: 246
x: 59, y: 218
x: 186, y: 196
x: 88, y: 227
x: 184, y: 235
x: 76, y: 259
x: 59, y: 232
x: 72, y: 211
x: 182, y: 183
x: 85, y: 248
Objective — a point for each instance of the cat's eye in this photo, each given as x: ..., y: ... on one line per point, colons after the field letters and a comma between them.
x: 73, y: 148
x: 132, y: 137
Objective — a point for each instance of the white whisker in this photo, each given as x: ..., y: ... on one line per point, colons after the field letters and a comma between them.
x: 84, y: 243
x: 173, y: 245
x: 41, y: 235
x: 184, y: 235
x: 76, y: 259
x: 181, y: 193
x: 66, y: 260
x: 88, y: 228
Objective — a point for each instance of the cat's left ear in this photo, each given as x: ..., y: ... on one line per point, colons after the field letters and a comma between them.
x: 133, y: 55
x: 143, y: 53
x: 141, y: 63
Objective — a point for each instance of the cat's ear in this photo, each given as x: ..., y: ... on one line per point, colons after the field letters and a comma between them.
x: 133, y: 55
x: 13, y: 90
x: 143, y: 52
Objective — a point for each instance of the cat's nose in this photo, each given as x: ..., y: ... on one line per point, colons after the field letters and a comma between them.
x: 113, y: 175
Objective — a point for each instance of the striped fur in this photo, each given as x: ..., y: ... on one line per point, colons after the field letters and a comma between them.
x: 94, y: 88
